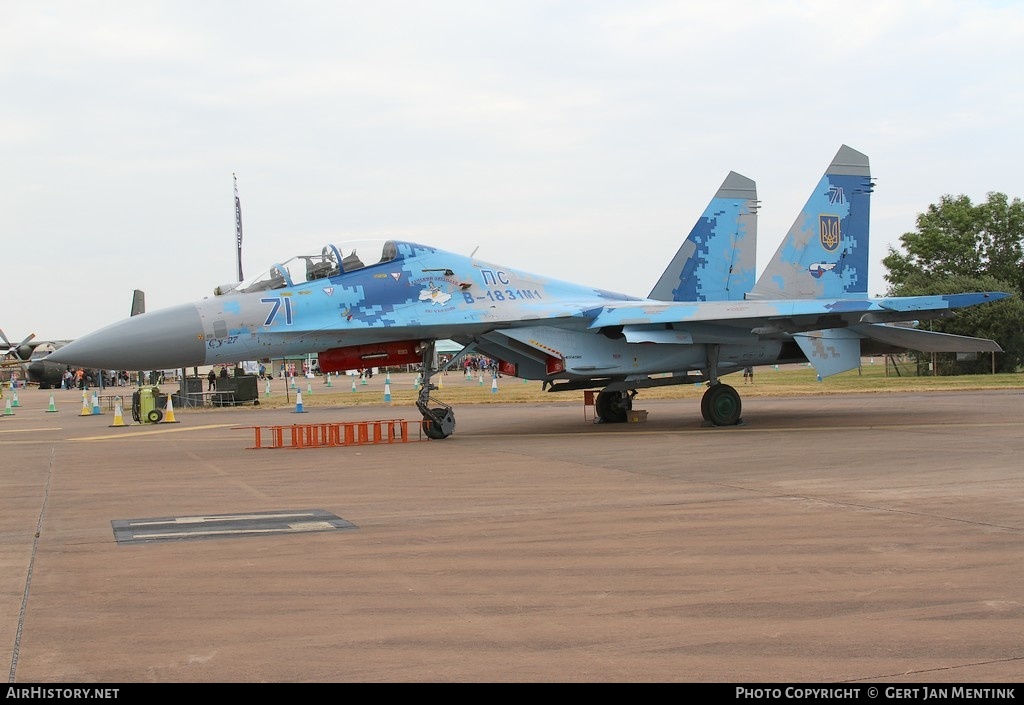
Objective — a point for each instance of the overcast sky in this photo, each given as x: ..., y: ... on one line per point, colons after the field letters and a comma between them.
x: 579, y: 140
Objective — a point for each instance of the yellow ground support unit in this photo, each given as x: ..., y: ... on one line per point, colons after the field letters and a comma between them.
x: 145, y: 402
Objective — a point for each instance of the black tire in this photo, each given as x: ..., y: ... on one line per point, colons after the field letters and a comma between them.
x: 432, y: 428
x: 723, y: 405
x: 613, y: 407
x: 155, y: 416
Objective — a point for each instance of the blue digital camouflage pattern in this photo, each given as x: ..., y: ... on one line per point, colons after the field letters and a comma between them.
x: 825, y: 252
x: 717, y: 261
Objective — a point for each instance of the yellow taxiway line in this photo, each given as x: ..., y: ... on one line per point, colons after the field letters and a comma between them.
x: 116, y: 435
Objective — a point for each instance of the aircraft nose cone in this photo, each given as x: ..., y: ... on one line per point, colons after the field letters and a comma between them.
x: 163, y: 339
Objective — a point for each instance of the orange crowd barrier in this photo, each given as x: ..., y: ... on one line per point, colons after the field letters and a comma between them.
x: 324, y: 435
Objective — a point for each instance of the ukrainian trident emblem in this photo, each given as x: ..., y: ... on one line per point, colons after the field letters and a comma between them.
x: 828, y: 226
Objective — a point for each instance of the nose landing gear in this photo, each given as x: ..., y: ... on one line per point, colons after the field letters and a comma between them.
x: 438, y: 421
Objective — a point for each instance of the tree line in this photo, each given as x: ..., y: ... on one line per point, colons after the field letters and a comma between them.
x: 960, y: 246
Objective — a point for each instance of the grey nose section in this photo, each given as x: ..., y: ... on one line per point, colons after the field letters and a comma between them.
x: 163, y: 339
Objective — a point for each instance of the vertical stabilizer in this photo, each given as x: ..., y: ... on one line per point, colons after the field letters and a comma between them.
x: 825, y: 253
x: 138, y: 302
x: 716, y: 262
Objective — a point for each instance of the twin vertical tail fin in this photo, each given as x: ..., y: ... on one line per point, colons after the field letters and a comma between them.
x: 825, y: 256
x: 825, y: 253
x: 716, y: 262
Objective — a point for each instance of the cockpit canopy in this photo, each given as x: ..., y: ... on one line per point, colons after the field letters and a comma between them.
x: 331, y: 261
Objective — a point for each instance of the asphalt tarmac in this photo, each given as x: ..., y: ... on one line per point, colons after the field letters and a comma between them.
x: 840, y: 539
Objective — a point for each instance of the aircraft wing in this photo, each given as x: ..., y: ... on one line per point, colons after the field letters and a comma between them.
x: 789, y: 315
x: 828, y: 332
x: 926, y: 340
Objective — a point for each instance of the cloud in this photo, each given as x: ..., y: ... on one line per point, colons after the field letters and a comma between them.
x: 550, y: 134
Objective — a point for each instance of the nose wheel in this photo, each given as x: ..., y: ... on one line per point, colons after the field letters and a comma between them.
x: 438, y: 422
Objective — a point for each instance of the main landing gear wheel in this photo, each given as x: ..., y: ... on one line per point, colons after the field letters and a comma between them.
x: 613, y: 407
x: 440, y: 425
x: 721, y: 405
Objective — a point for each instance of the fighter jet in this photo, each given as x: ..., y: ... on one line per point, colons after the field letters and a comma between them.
x: 387, y: 302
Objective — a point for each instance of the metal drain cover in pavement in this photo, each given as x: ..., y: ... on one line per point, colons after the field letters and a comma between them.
x: 222, y: 526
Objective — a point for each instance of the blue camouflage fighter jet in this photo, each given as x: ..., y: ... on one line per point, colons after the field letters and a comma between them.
x: 387, y: 302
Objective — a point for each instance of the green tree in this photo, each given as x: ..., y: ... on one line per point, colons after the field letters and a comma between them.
x: 1002, y: 239
x: 960, y: 247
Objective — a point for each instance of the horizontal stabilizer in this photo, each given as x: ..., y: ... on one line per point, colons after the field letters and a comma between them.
x: 925, y: 340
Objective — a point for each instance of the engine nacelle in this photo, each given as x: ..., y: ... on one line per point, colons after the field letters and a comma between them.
x: 357, y: 357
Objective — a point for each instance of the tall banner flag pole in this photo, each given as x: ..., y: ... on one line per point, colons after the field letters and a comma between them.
x: 238, y: 228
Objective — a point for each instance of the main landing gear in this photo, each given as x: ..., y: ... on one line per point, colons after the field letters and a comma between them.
x: 438, y: 421
x: 614, y: 407
x: 721, y: 405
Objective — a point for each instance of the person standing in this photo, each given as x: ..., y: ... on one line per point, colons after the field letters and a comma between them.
x: 211, y: 380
